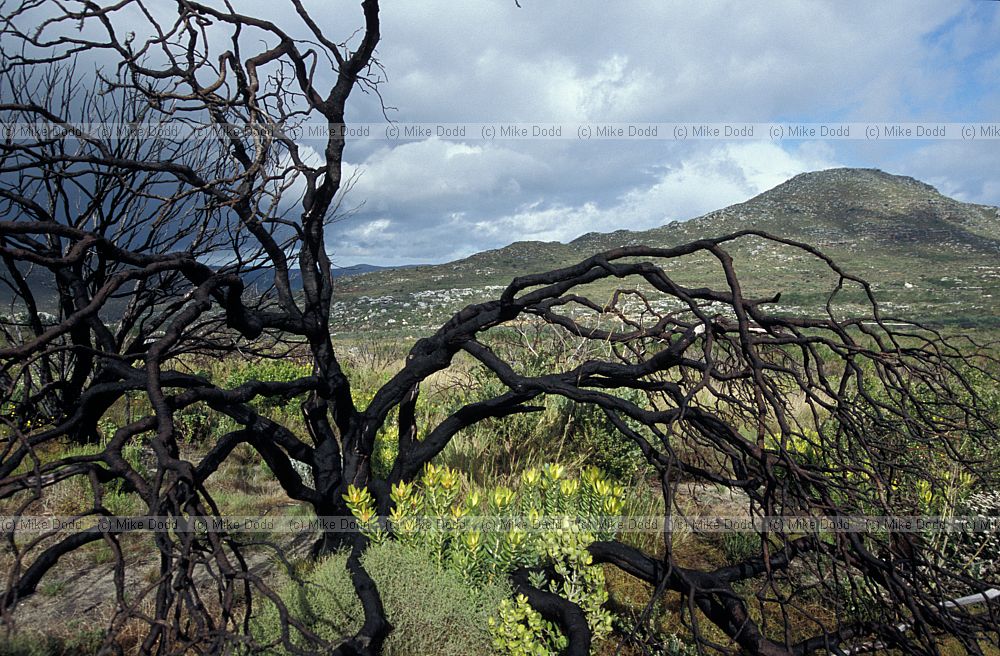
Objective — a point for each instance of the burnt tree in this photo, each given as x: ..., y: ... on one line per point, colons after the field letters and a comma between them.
x: 124, y: 256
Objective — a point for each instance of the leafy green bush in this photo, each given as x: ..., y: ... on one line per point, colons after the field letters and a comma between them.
x: 280, y: 371
x: 596, y: 435
x: 196, y: 423
x: 522, y: 631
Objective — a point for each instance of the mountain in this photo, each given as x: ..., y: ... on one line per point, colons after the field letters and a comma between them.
x: 929, y: 257
x: 356, y: 269
x: 264, y: 278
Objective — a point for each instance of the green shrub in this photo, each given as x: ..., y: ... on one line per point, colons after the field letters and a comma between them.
x: 24, y: 643
x: 325, y: 603
x: 608, y: 449
x: 740, y: 545
x: 76, y: 494
x: 432, y: 610
x: 196, y: 423
x: 481, y: 558
x: 280, y: 370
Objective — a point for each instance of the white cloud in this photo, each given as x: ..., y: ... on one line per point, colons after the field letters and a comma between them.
x: 370, y: 231
x: 565, y: 60
x: 956, y: 168
x: 723, y: 175
x: 705, y: 180
x: 437, y: 172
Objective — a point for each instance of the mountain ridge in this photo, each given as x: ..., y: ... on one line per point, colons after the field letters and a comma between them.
x: 884, y: 227
x: 851, y: 205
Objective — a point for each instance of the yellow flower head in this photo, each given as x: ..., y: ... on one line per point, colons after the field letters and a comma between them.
x: 358, y: 496
x: 553, y: 471
x: 591, y: 475
x: 603, y: 488
x: 530, y: 477
x: 612, y: 506
x: 401, y: 491
x: 472, y: 540
x: 430, y: 475
x: 516, y: 537
x: 925, y: 492
x: 502, y: 497
x: 569, y: 487
x: 449, y: 478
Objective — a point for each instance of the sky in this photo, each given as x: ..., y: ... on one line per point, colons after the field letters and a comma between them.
x: 436, y: 200
x: 582, y: 62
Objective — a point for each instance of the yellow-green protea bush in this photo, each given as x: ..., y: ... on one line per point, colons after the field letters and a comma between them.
x: 542, y: 522
x: 362, y: 505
